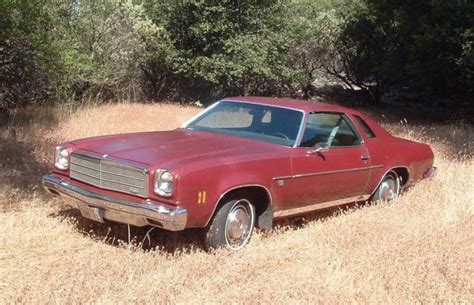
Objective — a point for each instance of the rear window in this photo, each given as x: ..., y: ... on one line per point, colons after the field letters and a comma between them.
x: 369, y: 132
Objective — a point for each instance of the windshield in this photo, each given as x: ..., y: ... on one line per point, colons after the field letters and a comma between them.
x: 253, y: 121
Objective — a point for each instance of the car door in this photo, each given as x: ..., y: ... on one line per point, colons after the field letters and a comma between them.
x: 339, y: 171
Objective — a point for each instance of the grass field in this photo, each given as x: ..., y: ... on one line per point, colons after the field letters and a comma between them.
x: 418, y: 249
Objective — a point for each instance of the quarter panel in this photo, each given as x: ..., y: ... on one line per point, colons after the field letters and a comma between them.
x: 416, y: 157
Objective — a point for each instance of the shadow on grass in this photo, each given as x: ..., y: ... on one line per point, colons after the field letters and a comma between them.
x: 145, y: 238
x: 156, y: 239
x: 297, y: 222
x: 23, y: 149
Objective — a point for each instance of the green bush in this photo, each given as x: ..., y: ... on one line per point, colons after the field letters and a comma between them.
x: 216, y: 48
x: 202, y: 50
x: 423, y: 46
x: 28, y: 59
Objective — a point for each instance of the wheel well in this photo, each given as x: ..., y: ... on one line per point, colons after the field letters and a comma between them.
x: 403, y: 173
x: 259, y: 197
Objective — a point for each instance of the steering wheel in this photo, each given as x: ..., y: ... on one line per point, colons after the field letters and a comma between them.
x: 279, y: 134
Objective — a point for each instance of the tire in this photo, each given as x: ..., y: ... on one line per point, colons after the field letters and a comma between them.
x: 232, y: 226
x: 389, y: 188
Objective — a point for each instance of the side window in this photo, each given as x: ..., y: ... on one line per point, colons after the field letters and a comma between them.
x: 332, y: 128
x: 365, y: 127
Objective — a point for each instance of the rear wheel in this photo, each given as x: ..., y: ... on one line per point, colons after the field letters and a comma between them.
x: 232, y: 225
x: 389, y: 188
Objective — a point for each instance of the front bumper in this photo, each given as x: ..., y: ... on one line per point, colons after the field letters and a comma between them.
x: 98, y: 207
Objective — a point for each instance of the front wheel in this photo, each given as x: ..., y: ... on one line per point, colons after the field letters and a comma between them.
x: 232, y: 225
x: 389, y: 188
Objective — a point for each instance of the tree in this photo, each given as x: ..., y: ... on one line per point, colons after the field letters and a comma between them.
x: 215, y: 48
x: 27, y: 57
x: 315, y: 27
x: 102, y: 44
x: 423, y: 46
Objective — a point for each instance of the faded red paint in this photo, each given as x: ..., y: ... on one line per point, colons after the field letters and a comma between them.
x: 215, y: 163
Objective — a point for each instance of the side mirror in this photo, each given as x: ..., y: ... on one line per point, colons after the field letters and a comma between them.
x: 319, y: 148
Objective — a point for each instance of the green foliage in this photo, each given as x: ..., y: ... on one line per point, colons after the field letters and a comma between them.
x: 217, y: 48
x: 199, y: 50
x: 423, y: 46
x: 315, y: 26
x: 27, y: 60
x: 102, y: 45
x: 78, y: 50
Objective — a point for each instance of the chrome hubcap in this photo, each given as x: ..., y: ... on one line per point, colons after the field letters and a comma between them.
x: 388, y: 189
x: 239, y: 224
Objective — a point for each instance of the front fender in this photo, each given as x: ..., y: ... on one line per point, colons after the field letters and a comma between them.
x: 202, y: 190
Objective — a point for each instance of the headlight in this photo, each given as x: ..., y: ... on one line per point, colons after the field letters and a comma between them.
x: 163, y: 182
x: 61, y: 158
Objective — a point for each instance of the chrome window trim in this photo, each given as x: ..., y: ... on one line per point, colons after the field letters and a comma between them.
x: 327, y: 172
x: 302, y: 123
x: 203, y: 112
x: 354, y: 128
x: 357, y: 117
x: 299, y: 138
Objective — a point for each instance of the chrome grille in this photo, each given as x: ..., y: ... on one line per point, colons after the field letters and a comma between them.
x: 108, y: 174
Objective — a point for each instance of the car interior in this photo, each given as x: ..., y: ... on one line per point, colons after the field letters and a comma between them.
x: 331, y: 128
x: 280, y: 125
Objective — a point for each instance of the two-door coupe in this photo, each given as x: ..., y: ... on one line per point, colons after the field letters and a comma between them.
x: 241, y: 163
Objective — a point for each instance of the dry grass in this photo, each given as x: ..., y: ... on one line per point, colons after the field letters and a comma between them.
x: 122, y: 118
x: 419, y: 249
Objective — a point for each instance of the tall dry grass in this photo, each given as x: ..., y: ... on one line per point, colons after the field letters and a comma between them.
x: 122, y: 118
x: 419, y: 249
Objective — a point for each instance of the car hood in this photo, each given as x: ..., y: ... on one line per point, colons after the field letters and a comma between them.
x: 180, y: 145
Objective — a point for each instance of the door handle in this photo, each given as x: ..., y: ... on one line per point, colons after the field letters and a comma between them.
x: 364, y: 158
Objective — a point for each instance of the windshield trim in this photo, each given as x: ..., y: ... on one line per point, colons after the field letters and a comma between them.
x: 300, y: 130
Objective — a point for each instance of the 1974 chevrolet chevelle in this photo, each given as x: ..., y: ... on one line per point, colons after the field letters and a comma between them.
x: 241, y: 163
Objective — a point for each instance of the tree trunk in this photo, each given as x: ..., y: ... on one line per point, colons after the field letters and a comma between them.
x: 3, y: 117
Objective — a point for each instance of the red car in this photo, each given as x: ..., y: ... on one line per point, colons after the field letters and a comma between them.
x: 241, y: 163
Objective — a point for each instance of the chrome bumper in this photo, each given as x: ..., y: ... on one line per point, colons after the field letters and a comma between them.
x: 99, y: 207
